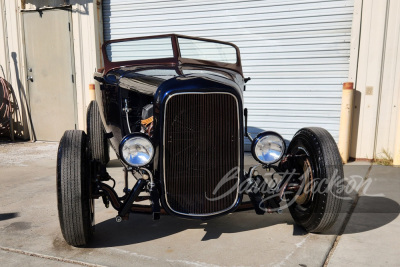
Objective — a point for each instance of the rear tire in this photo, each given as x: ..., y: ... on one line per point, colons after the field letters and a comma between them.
x: 316, y: 209
x: 75, y: 205
x: 98, y: 141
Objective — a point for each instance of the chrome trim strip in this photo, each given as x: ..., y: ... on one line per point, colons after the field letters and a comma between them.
x: 239, y: 167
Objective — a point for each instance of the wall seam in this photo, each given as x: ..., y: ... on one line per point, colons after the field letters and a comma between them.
x: 374, y: 154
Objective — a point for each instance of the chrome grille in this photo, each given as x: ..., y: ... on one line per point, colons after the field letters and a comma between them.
x: 201, y: 146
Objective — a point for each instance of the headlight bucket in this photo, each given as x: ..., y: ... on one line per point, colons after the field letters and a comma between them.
x: 136, y: 150
x: 268, y: 147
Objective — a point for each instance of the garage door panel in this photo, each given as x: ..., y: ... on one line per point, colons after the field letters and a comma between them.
x: 264, y: 108
x: 302, y: 55
x: 247, y: 14
x: 226, y: 33
x: 292, y: 35
x: 306, y: 88
x: 292, y: 73
x: 300, y: 63
x: 296, y: 41
x: 240, y: 7
x: 296, y: 51
x: 205, y: 24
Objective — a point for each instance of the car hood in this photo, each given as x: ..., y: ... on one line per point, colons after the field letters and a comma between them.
x: 146, y: 80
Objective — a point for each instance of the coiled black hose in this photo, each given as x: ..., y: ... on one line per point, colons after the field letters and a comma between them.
x: 5, y: 105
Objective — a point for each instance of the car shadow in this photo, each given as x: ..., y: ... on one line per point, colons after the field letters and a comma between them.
x: 377, y: 211
x: 141, y: 228
x: 370, y: 213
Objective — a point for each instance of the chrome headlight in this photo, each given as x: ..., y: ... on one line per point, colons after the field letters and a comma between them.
x: 268, y: 147
x: 136, y: 150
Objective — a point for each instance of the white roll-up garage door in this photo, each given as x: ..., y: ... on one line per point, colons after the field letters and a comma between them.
x: 296, y: 51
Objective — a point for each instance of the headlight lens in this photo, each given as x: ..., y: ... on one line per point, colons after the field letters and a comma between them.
x: 136, y: 150
x: 268, y: 147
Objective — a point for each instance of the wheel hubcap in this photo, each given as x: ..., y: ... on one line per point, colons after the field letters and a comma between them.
x: 307, y: 181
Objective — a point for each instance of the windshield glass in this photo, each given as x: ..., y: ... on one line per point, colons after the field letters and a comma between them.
x: 140, y: 49
x: 162, y: 48
x: 204, y: 50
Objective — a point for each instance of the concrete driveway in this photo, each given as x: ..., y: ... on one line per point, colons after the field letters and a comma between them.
x: 366, y: 234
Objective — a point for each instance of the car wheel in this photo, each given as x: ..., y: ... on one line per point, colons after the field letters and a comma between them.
x: 97, y: 138
x: 75, y: 205
x: 316, y: 204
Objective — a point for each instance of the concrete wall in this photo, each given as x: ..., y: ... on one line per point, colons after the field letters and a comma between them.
x: 377, y: 80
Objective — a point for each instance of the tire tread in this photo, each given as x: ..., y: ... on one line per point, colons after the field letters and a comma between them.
x: 72, y: 193
x: 331, y: 161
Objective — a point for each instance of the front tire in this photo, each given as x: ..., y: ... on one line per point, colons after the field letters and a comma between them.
x: 317, y: 204
x: 98, y: 141
x: 75, y: 205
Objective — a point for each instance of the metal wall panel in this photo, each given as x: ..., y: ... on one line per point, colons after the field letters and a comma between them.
x: 296, y: 51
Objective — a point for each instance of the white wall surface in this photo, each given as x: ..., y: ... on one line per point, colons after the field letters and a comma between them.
x: 390, y: 87
x: 377, y: 86
x: 12, y: 60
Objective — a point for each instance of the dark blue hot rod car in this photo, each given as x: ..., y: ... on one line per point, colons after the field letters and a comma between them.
x: 171, y: 107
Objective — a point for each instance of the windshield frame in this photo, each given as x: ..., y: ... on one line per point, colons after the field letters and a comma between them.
x: 174, y: 61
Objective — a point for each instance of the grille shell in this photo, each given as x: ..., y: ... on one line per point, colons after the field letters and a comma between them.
x: 202, y: 144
